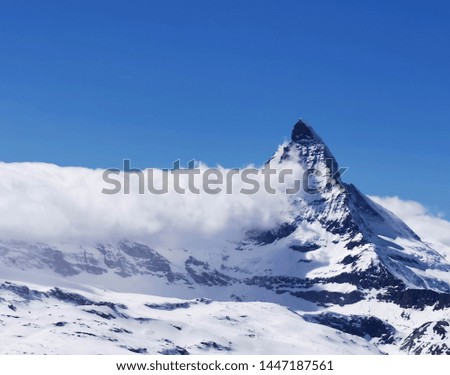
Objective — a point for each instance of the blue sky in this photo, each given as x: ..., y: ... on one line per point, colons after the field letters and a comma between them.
x: 92, y: 83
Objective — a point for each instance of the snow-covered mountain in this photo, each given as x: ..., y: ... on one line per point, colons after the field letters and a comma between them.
x: 339, y: 267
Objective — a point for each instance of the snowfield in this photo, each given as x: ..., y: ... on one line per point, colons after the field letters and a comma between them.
x: 37, y: 320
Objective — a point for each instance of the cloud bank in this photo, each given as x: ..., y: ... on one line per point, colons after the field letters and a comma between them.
x: 44, y: 202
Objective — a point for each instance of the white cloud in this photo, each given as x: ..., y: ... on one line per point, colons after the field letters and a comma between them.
x: 44, y: 202
x: 430, y: 228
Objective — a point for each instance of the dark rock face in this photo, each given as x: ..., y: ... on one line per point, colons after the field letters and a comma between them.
x: 174, y: 351
x: 169, y: 306
x: 430, y: 338
x: 311, y: 147
x: 417, y: 298
x: 73, y: 298
x: 280, y: 284
x: 306, y: 248
x: 327, y: 298
x: 303, y: 133
x: 296, y: 287
x: 101, y: 314
x: 441, y: 328
x: 361, y: 326
x: 55, y: 260
x: 146, y: 258
x: 375, y: 276
x: 264, y: 238
x: 137, y: 250
x: 202, y: 274
x: 132, y: 258
x: 136, y: 350
x: 22, y: 291
x: 69, y: 264
x: 214, y: 345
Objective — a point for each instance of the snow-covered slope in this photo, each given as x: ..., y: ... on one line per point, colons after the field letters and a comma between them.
x: 60, y: 321
x: 337, y: 258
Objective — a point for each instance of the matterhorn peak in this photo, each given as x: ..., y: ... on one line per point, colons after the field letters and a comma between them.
x: 311, y: 150
x: 303, y: 132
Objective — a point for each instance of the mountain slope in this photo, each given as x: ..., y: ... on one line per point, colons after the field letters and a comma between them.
x: 337, y: 258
